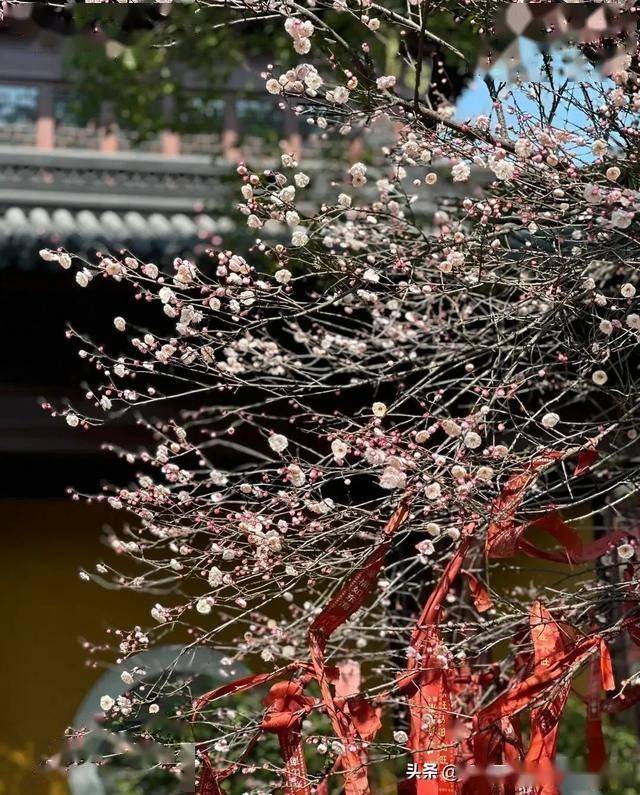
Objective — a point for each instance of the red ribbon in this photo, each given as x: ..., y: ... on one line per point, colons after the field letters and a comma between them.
x: 354, y: 719
x: 430, y: 736
x: 428, y: 687
x: 585, y: 459
x: 479, y: 594
x: 427, y: 683
x: 583, y: 554
x: 627, y: 699
x: 210, y: 778
x: 349, y: 599
x: 286, y: 706
x: 540, y: 757
x: 595, y: 740
x: 503, y: 532
x: 558, y: 666
x: 354, y: 593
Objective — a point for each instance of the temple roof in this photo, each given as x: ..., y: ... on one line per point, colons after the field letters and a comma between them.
x: 24, y: 231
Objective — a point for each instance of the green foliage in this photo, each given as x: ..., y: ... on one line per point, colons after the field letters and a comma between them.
x: 136, y: 59
x: 186, y: 56
x: 622, y: 773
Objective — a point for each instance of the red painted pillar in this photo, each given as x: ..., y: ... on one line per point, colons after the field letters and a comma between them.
x: 45, y: 125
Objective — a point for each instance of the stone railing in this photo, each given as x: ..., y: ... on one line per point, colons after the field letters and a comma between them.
x: 18, y: 134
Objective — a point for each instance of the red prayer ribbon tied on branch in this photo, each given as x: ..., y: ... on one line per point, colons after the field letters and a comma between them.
x: 479, y: 594
x: 428, y: 685
x: 505, y: 533
x: 286, y: 706
x: 344, y: 604
x: 554, y: 671
x: 354, y: 720
x: 547, y: 642
x: 285, y: 709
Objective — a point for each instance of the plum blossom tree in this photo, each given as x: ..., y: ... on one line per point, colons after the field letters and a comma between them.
x: 371, y: 424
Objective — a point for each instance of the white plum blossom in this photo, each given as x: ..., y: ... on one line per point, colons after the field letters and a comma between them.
x: 472, y: 440
x: 599, y: 147
x: 455, y: 259
x: 386, y: 82
x: 633, y: 321
x: 626, y: 551
x: 433, y: 491
x: 283, y: 276
x: 503, y: 169
x: 371, y: 276
x: 627, y: 290
x: 339, y: 95
x: 401, y: 737
x: 613, y: 173
x: 460, y: 172
x: 203, y: 606
x: 301, y: 32
x: 107, y: 703
x: 606, y: 327
x: 592, y: 194
x: 339, y: 449
x: 47, y: 255
x: 599, y: 377
x: 374, y: 456
x: 425, y: 548
x: 215, y: 577
x: 358, y: 173
x: 393, y: 478
x: 451, y: 428
x: 296, y: 475
x: 150, y: 270
x: 484, y: 473
x: 278, y: 443
x: 523, y: 148
x: 292, y: 218
x: 273, y: 86
x: 621, y: 219
x: 299, y: 238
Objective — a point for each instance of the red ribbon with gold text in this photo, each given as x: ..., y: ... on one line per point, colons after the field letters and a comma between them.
x: 427, y: 685
x: 547, y: 643
x: 344, y: 604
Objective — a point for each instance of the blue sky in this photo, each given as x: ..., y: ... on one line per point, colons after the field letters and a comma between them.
x: 567, y: 63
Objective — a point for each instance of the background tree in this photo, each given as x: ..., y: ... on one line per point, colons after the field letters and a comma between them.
x: 138, y: 55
